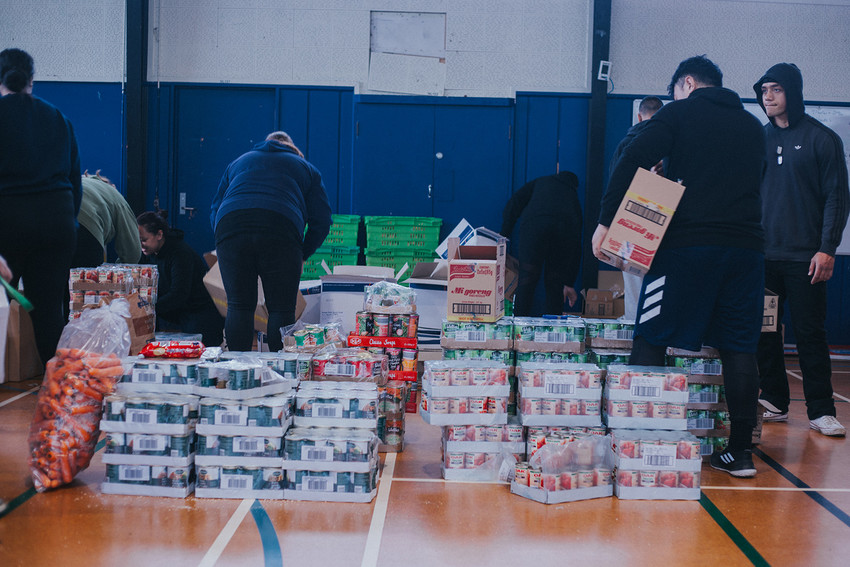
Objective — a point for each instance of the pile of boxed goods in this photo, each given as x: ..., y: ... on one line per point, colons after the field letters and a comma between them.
x: 339, y: 248
x: 560, y: 394
x: 88, y: 286
x: 394, y: 241
x: 567, y: 469
x: 657, y: 465
x: 468, y: 393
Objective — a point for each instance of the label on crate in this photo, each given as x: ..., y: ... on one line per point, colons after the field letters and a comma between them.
x: 707, y: 368
x: 319, y: 483
x: 317, y: 453
x: 470, y: 336
x: 342, y: 369
x: 659, y: 456
x: 147, y: 376
x: 231, y: 417
x: 701, y: 423
x: 248, y: 445
x: 647, y: 386
x: 550, y: 336
x: 143, y: 416
x: 704, y: 397
x: 237, y: 481
x: 381, y: 342
x: 618, y: 334
x: 130, y: 473
x: 148, y: 442
x: 327, y: 410
x: 559, y: 384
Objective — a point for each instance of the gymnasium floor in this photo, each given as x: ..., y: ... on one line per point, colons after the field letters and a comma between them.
x: 795, y: 512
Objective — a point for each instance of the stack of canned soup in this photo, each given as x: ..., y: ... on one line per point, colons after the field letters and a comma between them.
x: 657, y: 465
x: 545, y: 335
x: 472, y: 395
x: 389, y: 310
x: 707, y: 412
x: 560, y: 394
x: 150, y: 443
x: 567, y: 468
x: 392, y: 402
x: 332, y: 452
x: 645, y: 397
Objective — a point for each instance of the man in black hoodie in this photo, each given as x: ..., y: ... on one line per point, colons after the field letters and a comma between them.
x: 805, y: 206
x: 706, y: 284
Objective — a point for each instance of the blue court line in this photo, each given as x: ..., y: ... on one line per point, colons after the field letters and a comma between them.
x: 271, y: 546
x: 16, y: 389
x: 813, y: 494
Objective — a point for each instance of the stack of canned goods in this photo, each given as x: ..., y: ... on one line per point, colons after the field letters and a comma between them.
x: 404, y: 325
x: 536, y: 375
x: 570, y: 479
x: 709, y: 419
x: 464, y: 404
x: 332, y: 481
x: 509, y: 433
x: 164, y: 372
x: 472, y: 459
x: 539, y: 435
x: 571, y: 463
x: 604, y: 358
x: 270, y: 411
x: 461, y: 373
x: 567, y: 357
x: 349, y: 364
x: 477, y: 332
x: 153, y: 445
x: 539, y: 330
x: 619, y: 330
x: 655, y: 478
x: 150, y: 409
x: 559, y: 406
x: 150, y: 475
x: 645, y: 408
x: 239, y: 446
x: 240, y: 477
x: 637, y: 444
x: 337, y: 400
x: 646, y: 380
x: 502, y: 356
x: 337, y: 444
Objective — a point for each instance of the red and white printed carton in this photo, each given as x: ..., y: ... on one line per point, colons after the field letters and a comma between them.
x: 641, y: 221
x: 476, y: 282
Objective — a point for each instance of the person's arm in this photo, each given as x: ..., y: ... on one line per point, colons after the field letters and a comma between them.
x: 514, y: 207
x: 127, y: 243
x: 179, y: 266
x: 832, y: 173
x: 318, y: 215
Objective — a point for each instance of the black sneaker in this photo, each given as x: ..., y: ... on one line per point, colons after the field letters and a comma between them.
x: 738, y: 464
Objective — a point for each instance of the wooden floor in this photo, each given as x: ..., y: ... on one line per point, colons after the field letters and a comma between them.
x: 795, y: 512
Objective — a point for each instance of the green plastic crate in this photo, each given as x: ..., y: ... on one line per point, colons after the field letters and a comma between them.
x: 343, y: 231
x: 333, y: 256
x: 408, y: 232
x: 396, y: 257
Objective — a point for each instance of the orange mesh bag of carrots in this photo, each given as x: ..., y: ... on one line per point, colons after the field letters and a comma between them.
x: 86, y: 367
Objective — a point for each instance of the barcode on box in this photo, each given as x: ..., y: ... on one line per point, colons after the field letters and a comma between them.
x: 149, y: 443
x: 141, y: 416
x: 342, y: 369
x: 563, y: 389
x: 470, y: 336
x: 470, y: 309
x: 133, y: 473
x: 646, y: 391
x: 224, y: 417
x: 547, y: 337
x: 317, y: 484
x: 701, y: 423
x: 560, y: 384
x: 248, y: 445
x: 317, y: 453
x: 327, y: 410
x: 658, y: 461
x: 646, y: 213
x: 715, y: 369
x: 708, y: 398
x: 147, y: 376
x: 237, y: 482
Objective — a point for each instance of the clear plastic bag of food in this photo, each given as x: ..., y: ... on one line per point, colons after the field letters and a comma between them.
x: 87, y: 365
x: 389, y: 297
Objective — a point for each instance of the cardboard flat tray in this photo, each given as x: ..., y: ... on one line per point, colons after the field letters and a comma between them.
x: 492, y: 391
x: 238, y: 494
x: 561, y: 496
x: 353, y: 497
x: 482, y: 474
x: 533, y: 346
x: 485, y: 446
x: 463, y: 418
x: 667, y: 424
x: 124, y: 459
x: 671, y: 397
x: 688, y: 465
x: 641, y: 493
x: 580, y: 393
x: 596, y: 342
x: 561, y: 420
x: 175, y: 429
x: 222, y: 461
x: 333, y: 466
x: 301, y: 421
x: 142, y: 490
x: 246, y: 430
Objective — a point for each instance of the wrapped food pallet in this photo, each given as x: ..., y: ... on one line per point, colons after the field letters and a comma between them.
x: 560, y: 394
x: 645, y: 397
x: 656, y: 465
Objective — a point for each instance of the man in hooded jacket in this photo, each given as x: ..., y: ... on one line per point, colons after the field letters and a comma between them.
x: 805, y: 204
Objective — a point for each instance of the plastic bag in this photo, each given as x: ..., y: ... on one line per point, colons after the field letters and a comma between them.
x: 87, y: 365
x: 388, y: 297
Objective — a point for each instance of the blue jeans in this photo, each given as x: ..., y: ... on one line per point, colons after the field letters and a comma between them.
x: 807, y: 302
x: 274, y: 254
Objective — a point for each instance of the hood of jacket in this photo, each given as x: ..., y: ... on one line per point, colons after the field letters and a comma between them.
x: 789, y: 76
x: 273, y: 146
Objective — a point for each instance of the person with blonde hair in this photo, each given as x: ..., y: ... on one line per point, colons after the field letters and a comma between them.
x: 265, y: 200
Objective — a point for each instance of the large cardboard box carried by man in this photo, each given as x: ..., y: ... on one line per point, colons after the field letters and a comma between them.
x: 641, y: 221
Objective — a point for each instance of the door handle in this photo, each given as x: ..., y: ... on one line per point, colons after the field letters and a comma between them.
x: 429, y: 190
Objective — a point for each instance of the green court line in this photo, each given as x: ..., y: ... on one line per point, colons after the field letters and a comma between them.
x: 737, y: 537
x: 21, y: 498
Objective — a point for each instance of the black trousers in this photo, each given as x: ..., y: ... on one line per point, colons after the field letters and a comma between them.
x: 542, y: 250
x: 37, y: 238
x: 274, y: 254
x: 807, y: 302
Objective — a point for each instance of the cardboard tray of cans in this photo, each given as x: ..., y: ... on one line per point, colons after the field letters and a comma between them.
x: 561, y: 496
x: 213, y: 481
x: 234, y: 461
x: 281, y: 387
x: 330, y: 486
x: 651, y: 493
x: 481, y: 474
x: 608, y: 333
x: 332, y: 466
x: 537, y: 346
x: 143, y: 490
x: 239, y: 493
x: 150, y: 428
x: 321, y: 496
x: 463, y: 418
x: 477, y: 335
x: 245, y: 430
x: 549, y: 335
x: 130, y: 459
x: 562, y: 420
x: 484, y: 446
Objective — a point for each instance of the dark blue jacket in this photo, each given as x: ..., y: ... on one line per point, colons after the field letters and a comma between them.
x: 38, y: 149
x: 274, y: 177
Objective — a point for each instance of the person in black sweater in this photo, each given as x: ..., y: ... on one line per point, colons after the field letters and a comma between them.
x: 549, y: 240
x: 805, y: 200
x: 183, y: 301
x: 40, y: 193
x: 706, y: 283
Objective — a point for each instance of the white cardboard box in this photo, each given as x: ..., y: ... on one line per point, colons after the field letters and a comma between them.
x: 561, y: 496
x: 476, y: 282
x: 142, y: 490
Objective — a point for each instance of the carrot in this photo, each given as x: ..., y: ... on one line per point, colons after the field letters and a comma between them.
x: 80, y: 410
x: 110, y: 372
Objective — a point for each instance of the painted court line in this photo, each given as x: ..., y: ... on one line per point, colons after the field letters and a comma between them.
x: 19, y: 396
x: 379, y: 514
x: 775, y: 489
x: 226, y: 534
x: 800, y: 378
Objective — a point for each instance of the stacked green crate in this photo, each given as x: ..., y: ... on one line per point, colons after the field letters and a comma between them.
x: 339, y: 248
x: 394, y: 241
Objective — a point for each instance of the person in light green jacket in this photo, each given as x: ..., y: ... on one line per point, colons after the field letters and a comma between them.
x: 105, y: 216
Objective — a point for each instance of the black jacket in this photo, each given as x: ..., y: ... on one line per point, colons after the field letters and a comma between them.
x: 716, y: 149
x: 805, y: 199
x: 627, y: 139
x: 181, y: 279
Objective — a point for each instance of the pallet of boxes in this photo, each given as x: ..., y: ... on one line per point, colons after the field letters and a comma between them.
x: 387, y: 325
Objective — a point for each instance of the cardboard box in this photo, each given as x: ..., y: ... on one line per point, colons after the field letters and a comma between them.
x: 4, y: 327
x: 468, y: 236
x: 476, y: 282
x: 607, y: 301
x: 770, y: 321
x: 22, y: 359
x: 215, y: 287
x: 641, y: 221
